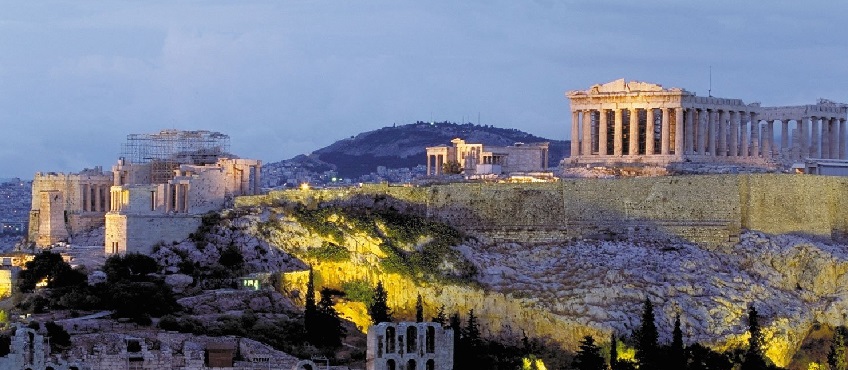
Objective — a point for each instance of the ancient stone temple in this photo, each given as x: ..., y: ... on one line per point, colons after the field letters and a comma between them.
x: 475, y: 159
x: 624, y: 122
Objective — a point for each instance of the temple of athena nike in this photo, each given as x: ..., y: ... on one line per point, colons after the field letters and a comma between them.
x: 635, y: 122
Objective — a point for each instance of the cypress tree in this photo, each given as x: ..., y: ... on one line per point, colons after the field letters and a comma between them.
x: 379, y: 309
x: 836, y: 356
x: 589, y: 355
x: 441, y: 318
x: 677, y: 356
x: 419, y: 309
x: 646, y: 345
x: 471, y: 331
x: 331, y: 330
x: 613, y: 363
x: 754, y: 359
x: 310, y: 311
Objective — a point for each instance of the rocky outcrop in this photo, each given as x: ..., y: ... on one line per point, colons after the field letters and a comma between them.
x: 226, y: 301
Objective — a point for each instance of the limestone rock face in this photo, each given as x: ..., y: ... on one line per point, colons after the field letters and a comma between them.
x: 224, y: 301
x: 178, y: 282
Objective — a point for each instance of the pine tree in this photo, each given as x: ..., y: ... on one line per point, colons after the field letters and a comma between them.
x: 471, y: 332
x: 754, y: 359
x: 419, y: 309
x: 310, y: 311
x: 331, y: 330
x: 646, y: 345
x: 836, y: 357
x: 613, y: 363
x: 676, y: 355
x: 379, y: 309
x: 441, y: 318
x: 589, y: 356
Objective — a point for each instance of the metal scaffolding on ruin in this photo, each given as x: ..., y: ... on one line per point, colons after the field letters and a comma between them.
x: 166, y: 150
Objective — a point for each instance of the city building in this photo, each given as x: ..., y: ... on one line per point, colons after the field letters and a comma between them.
x: 632, y: 122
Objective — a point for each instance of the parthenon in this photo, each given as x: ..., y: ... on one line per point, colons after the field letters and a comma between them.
x: 638, y: 122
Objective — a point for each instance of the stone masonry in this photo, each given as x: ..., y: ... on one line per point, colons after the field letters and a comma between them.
x: 409, y: 346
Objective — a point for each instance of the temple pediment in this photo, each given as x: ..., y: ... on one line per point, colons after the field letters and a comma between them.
x: 622, y: 86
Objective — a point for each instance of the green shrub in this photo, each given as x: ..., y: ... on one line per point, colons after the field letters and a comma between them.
x: 359, y: 291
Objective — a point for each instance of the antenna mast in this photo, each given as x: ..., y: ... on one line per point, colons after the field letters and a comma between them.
x: 710, y: 91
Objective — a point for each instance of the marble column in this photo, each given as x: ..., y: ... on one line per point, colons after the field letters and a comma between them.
x: 649, y: 131
x: 743, y: 133
x: 679, y: 131
x: 665, y: 131
x: 96, y: 198
x: 755, y: 135
x: 834, y: 138
x: 769, y: 139
x: 702, y: 131
x: 575, y: 135
x: 815, y: 144
x: 825, y: 137
x: 734, y: 133
x: 84, y: 197
x: 602, y: 132
x: 722, y: 133
x: 842, y: 140
x: 804, y: 136
x: 712, y: 122
x: 784, y: 136
x: 618, y: 133
x: 257, y: 180
x: 587, y: 133
x: 689, y: 131
x: 634, y: 132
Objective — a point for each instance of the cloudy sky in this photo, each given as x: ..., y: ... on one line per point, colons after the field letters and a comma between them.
x: 287, y: 77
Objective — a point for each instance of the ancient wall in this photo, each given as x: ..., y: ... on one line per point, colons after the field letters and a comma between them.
x: 703, y: 209
x: 138, y: 234
x: 84, y: 201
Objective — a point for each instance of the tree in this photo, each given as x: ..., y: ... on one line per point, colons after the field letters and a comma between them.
x: 613, y: 364
x: 59, y: 337
x: 703, y: 358
x: 330, y: 330
x: 754, y: 359
x: 419, y: 309
x: 589, y: 357
x: 379, y: 309
x: 836, y: 356
x: 132, y: 267
x: 471, y: 332
x: 451, y: 168
x: 47, y: 266
x: 676, y: 354
x: 441, y: 318
x: 646, y: 339
x: 310, y: 311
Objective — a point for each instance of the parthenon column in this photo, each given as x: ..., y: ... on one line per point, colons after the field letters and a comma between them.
x: 618, y: 133
x: 649, y: 131
x: 768, y: 135
x: 722, y: 133
x: 575, y: 135
x: 587, y: 133
x: 804, y: 137
x: 678, y: 131
x: 784, y: 136
x: 665, y: 131
x: 833, y: 138
x: 712, y: 134
x: 602, y: 132
x: 689, y: 131
x: 96, y: 198
x: 168, y: 190
x: 702, y: 131
x: 755, y: 135
x: 842, y: 140
x: 84, y: 197
x: 743, y: 132
x: 634, y: 131
x: 734, y: 133
x: 815, y: 145
x: 825, y: 137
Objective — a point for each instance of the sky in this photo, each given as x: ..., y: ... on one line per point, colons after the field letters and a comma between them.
x: 287, y: 77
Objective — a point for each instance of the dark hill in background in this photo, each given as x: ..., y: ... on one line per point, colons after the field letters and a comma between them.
x: 404, y: 146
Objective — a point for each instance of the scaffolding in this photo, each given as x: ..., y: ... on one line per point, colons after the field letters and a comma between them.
x: 166, y: 150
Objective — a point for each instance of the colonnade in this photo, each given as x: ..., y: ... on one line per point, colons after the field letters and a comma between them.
x: 706, y: 131
x: 94, y: 197
x: 435, y: 162
x: 631, y: 131
x: 176, y: 197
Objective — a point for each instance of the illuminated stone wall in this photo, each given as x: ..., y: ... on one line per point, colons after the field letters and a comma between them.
x: 709, y: 210
x: 84, y: 200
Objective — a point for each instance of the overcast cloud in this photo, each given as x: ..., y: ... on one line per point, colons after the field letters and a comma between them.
x: 287, y: 77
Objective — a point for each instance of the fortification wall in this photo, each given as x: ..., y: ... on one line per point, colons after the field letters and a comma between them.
x: 138, y: 233
x: 709, y: 210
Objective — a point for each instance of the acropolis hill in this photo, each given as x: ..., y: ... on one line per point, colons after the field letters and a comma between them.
x: 702, y: 246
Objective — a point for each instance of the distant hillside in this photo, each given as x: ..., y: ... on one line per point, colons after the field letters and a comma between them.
x: 403, y: 146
